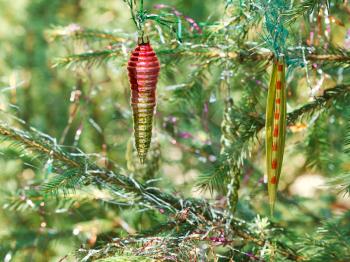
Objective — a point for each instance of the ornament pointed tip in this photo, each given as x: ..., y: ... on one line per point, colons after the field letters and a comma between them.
x: 272, y: 209
x: 142, y: 160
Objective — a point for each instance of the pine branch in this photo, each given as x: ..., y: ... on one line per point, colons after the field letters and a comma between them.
x: 332, y: 56
x: 215, y: 179
x: 184, y: 237
x: 236, y: 150
x: 347, y: 135
x: 318, y: 146
x: 75, y: 31
x: 342, y: 182
x: 88, y: 59
x: 241, y: 55
x: 345, y: 57
x: 32, y: 143
x: 330, y: 242
x: 193, y: 211
x: 105, y: 177
x: 305, y: 7
x: 117, y: 258
x: 66, y: 181
x: 340, y: 93
x: 31, y: 199
x: 209, y: 53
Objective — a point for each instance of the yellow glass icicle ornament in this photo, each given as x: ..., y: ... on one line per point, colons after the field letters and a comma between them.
x: 275, y: 127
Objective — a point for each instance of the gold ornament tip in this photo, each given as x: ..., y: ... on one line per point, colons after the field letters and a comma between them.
x: 272, y: 209
x: 142, y: 160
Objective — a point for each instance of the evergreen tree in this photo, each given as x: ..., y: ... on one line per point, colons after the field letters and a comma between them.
x: 73, y: 187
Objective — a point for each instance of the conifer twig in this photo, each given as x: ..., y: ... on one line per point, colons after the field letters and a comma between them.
x: 254, y: 125
x: 101, y: 175
x: 200, y: 212
x: 98, y: 57
x: 32, y: 144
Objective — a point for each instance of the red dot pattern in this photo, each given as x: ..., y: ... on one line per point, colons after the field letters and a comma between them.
x: 278, y: 85
x: 274, y: 164
x: 273, y: 180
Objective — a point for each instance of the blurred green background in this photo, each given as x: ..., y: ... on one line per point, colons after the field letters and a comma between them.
x: 41, y: 95
x: 89, y: 108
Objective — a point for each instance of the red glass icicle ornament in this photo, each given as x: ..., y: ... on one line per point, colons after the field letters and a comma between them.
x: 143, y: 67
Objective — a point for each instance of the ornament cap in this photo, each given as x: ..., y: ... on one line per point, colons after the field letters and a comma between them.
x: 143, y: 40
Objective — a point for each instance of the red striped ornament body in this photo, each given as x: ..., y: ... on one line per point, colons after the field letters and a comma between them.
x: 275, y: 127
x: 143, y: 68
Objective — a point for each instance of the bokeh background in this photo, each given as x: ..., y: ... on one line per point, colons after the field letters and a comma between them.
x: 88, y: 106
x: 43, y: 96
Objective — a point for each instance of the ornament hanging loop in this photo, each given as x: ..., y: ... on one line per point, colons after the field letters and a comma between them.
x: 142, y: 40
x: 139, y: 17
x: 280, y: 58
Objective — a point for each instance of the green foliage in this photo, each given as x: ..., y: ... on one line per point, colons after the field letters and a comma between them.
x: 306, y: 7
x: 347, y: 136
x: 75, y: 191
x: 87, y: 59
x: 68, y: 180
x: 330, y: 241
x: 125, y: 259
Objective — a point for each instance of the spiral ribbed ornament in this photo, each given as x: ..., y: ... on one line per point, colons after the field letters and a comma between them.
x: 143, y: 67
